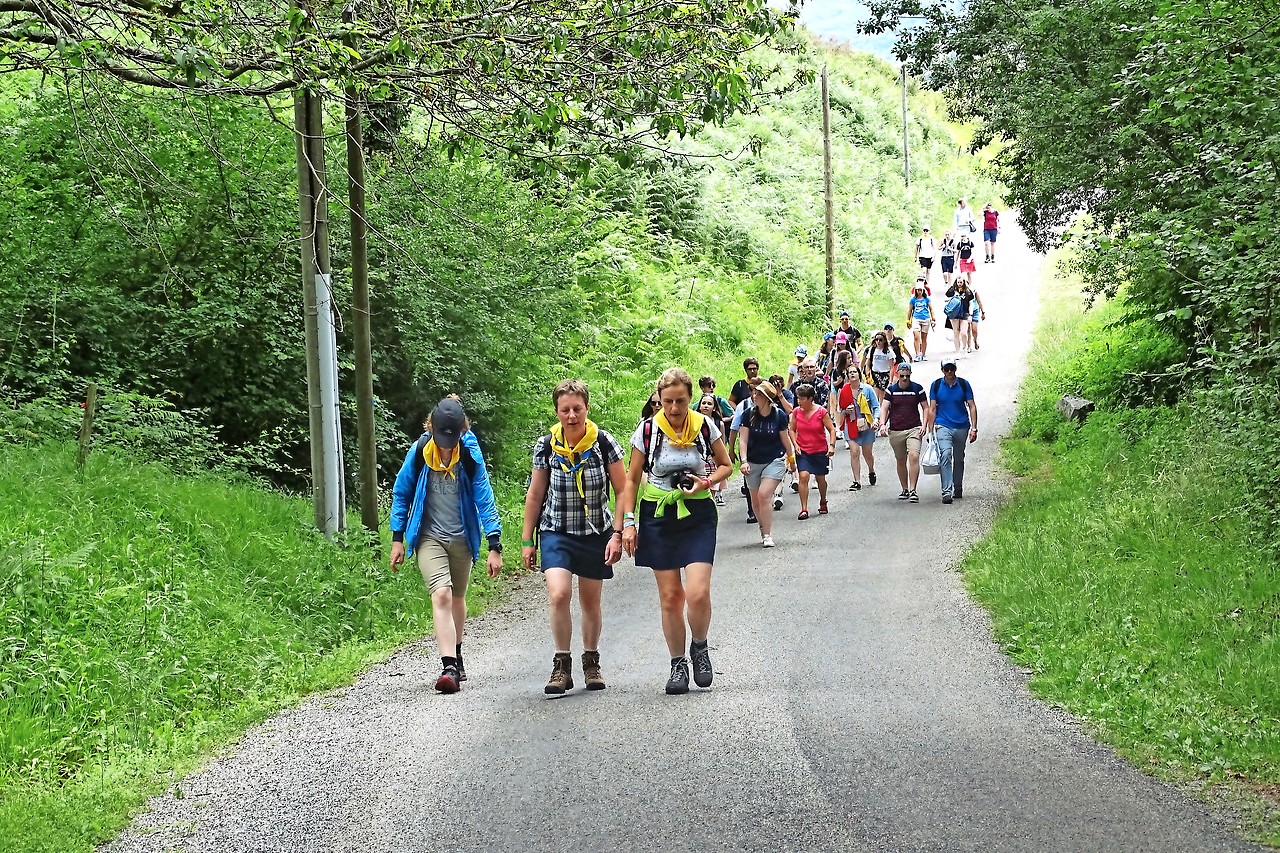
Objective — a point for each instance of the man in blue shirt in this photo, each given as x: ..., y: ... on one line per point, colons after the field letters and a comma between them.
x: 954, y: 414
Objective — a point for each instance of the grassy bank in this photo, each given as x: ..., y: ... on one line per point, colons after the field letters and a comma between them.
x: 1127, y: 575
x: 155, y: 618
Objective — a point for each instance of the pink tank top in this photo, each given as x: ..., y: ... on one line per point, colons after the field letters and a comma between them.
x: 810, y: 434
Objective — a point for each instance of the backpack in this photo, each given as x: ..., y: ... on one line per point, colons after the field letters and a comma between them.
x: 652, y: 439
x: 469, y: 463
x: 964, y: 384
x: 955, y: 308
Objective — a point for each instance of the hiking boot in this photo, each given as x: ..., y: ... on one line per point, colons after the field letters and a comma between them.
x: 561, y: 675
x: 701, y: 657
x: 905, y: 494
x: 871, y: 475
x: 913, y: 497
x: 679, y: 680
x: 591, y: 671
x: 448, y: 680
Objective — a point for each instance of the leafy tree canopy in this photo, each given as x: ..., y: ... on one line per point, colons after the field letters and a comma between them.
x: 531, y: 75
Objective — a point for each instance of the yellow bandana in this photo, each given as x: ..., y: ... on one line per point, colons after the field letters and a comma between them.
x: 431, y: 455
x: 692, y: 426
x: 572, y: 459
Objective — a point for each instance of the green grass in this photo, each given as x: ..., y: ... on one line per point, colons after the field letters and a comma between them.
x: 1126, y: 576
x: 151, y: 619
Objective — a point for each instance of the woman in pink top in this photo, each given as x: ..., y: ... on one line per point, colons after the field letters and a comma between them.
x: 816, y: 443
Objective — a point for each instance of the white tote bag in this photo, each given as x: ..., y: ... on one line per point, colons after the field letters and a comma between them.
x: 930, y: 458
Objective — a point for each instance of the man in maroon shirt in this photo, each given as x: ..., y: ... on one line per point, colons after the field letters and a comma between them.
x: 902, y: 418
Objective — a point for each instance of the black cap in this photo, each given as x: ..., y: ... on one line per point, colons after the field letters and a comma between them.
x: 447, y: 423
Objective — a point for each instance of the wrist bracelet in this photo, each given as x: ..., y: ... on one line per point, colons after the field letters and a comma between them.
x: 630, y: 515
x: 628, y: 522
x: 528, y: 543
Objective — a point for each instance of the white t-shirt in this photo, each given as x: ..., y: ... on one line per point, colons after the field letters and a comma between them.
x: 927, y: 247
x: 963, y: 218
x: 670, y: 460
x: 881, y: 362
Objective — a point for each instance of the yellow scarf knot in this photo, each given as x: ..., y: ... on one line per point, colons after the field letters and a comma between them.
x: 431, y: 455
x: 686, y: 436
x: 572, y: 459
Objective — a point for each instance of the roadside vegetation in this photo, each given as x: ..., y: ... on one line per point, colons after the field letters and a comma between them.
x: 1130, y: 573
x: 172, y: 594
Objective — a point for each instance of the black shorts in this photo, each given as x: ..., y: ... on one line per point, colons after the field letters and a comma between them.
x: 881, y: 379
x: 926, y: 263
x: 673, y: 543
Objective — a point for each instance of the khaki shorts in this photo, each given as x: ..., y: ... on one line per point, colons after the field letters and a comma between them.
x: 904, y: 441
x: 445, y: 565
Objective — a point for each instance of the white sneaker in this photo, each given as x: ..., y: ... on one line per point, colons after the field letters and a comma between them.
x: 846, y: 444
x: 767, y: 541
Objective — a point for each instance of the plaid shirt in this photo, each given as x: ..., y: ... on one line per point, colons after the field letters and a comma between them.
x: 563, y: 509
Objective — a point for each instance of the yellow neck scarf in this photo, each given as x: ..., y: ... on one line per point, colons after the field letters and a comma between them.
x: 692, y: 426
x: 572, y: 459
x: 431, y: 455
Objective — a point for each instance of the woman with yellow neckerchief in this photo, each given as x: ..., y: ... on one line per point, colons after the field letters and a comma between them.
x: 568, y: 507
x: 676, y: 529
x: 441, y: 503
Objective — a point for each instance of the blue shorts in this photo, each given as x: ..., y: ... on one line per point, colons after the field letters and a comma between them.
x: 948, y: 263
x: 989, y: 234
x: 673, y: 543
x: 581, y: 555
x: 814, y: 463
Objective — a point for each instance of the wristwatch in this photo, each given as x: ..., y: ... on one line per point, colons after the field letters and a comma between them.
x: 495, y: 544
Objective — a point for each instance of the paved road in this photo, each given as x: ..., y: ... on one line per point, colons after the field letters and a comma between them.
x: 859, y: 705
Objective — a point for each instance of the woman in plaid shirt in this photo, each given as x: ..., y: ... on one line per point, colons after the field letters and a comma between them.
x: 568, y: 507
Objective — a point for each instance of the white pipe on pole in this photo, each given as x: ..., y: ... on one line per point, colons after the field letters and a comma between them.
x: 334, y: 498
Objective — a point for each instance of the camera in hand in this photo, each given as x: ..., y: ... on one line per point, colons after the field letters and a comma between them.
x: 688, y: 480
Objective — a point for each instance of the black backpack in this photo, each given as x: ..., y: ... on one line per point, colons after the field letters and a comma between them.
x: 469, y: 463
x: 652, y: 439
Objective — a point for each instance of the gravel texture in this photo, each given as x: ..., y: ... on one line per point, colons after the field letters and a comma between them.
x: 859, y: 705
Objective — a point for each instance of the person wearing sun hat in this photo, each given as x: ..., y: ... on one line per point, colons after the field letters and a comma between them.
x: 793, y: 369
x: 442, y: 503
x: 920, y: 318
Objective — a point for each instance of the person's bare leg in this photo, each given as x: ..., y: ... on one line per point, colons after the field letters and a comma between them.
x: 697, y: 590
x: 559, y: 597
x: 871, y: 459
x: 764, y: 505
x: 442, y: 609
x: 589, y: 590
x: 804, y: 491
x: 913, y: 464
x: 671, y: 597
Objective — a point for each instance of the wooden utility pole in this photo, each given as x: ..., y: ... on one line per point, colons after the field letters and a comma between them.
x: 829, y: 197
x: 360, y: 310
x: 86, y: 425
x: 303, y: 103
x: 327, y: 484
x: 906, y: 153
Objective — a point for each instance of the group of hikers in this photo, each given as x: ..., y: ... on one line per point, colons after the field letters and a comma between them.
x: 667, y: 484
x: 962, y: 316
x: 667, y: 492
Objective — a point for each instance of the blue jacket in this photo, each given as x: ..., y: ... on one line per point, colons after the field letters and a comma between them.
x: 409, y: 498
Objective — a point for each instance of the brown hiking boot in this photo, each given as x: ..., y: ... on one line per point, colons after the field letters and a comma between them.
x: 561, y: 675
x: 591, y: 671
